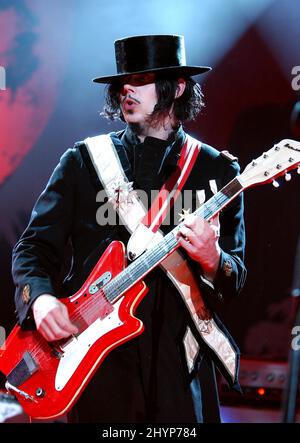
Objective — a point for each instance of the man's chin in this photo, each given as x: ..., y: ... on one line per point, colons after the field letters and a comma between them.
x: 135, y: 127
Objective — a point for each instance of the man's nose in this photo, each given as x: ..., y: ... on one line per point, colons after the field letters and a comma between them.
x: 126, y: 89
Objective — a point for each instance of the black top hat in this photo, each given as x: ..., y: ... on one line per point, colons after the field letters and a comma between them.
x: 151, y: 53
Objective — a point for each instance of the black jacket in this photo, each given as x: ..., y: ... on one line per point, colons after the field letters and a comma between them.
x: 64, y: 218
x: 66, y: 212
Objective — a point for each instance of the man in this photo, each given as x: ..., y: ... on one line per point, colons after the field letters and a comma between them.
x: 147, y: 378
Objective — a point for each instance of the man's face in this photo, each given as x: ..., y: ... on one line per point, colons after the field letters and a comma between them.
x: 138, y: 97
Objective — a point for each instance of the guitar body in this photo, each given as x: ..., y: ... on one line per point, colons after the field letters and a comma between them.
x: 53, y: 375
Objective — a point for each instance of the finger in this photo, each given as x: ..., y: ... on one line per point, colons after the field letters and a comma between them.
x: 181, y: 236
x: 184, y: 231
x: 190, y: 220
x: 214, y: 224
x: 51, y: 322
x: 198, y: 226
x: 63, y: 321
x: 215, y: 221
x: 55, y: 329
x: 46, y: 332
x: 216, y: 230
x: 189, y: 247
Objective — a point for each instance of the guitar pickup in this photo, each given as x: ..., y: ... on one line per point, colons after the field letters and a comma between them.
x: 26, y: 367
x: 101, y: 281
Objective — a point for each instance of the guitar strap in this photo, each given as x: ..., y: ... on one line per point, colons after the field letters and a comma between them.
x: 144, y: 228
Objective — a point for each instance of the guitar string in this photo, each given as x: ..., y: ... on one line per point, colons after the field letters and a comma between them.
x: 90, y: 309
x: 225, y: 191
x: 120, y: 283
x: 112, y: 290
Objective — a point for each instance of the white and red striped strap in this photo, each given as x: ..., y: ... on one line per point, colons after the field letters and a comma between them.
x: 145, y: 231
x: 174, y: 184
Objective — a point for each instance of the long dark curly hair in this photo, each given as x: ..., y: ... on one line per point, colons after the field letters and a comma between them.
x: 186, y: 107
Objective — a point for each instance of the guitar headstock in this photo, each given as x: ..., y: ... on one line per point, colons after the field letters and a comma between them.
x: 280, y: 159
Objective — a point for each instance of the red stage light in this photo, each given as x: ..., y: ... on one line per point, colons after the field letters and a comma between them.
x: 261, y: 391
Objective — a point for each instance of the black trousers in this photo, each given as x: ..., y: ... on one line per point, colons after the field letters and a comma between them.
x: 117, y: 394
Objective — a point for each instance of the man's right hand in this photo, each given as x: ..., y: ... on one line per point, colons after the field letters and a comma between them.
x: 52, y: 318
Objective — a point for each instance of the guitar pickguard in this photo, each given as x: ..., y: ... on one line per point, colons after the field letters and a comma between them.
x: 77, y: 348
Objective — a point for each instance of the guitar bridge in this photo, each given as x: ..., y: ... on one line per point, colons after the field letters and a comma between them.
x: 55, y: 352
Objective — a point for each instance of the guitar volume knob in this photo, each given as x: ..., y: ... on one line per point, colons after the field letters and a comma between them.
x: 131, y: 256
x: 40, y: 392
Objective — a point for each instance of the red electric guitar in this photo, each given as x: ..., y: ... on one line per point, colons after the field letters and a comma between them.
x: 47, y: 378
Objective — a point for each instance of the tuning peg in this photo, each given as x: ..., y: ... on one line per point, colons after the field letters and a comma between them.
x: 275, y: 184
x: 287, y: 176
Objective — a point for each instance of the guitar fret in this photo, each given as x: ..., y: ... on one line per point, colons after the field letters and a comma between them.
x: 136, y: 269
x: 231, y: 188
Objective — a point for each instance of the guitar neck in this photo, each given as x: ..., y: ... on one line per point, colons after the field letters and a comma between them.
x: 281, y: 158
x: 219, y: 200
x: 155, y: 255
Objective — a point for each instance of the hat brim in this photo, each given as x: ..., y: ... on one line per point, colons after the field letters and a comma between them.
x: 188, y: 71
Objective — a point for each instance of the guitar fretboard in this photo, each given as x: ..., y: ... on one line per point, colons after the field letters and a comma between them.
x: 153, y: 256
